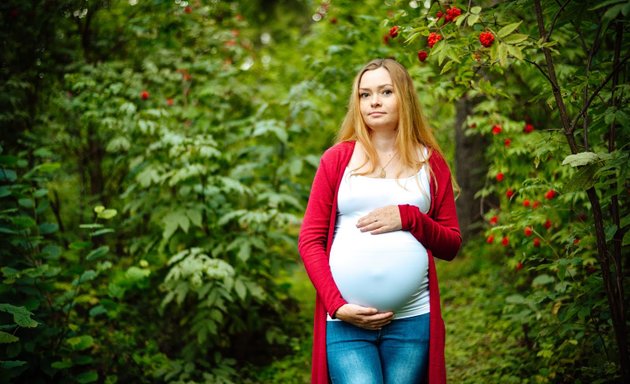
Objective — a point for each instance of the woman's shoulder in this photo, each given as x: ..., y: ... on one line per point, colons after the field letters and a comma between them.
x: 338, y: 151
x: 438, y: 162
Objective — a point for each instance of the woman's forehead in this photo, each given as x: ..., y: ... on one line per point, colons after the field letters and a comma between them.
x: 375, y: 78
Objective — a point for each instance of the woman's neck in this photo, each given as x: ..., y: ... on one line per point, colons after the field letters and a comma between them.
x: 384, y: 142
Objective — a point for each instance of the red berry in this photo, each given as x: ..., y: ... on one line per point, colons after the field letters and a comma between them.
x: 536, y: 204
x: 144, y: 95
x: 507, y: 142
x: 550, y: 194
x: 386, y: 38
x: 333, y: 20
x: 393, y: 32
x: 496, y: 129
x: 169, y: 102
x: 526, y: 203
x: 473, y: 125
x: 519, y: 266
x: 509, y: 193
x: 188, y: 9
x: 433, y: 38
x: 486, y: 39
x: 536, y: 242
x: 451, y: 14
x: 494, y: 220
x: 490, y: 239
x: 439, y: 15
x: 500, y: 176
x: 528, y: 231
x: 576, y: 241
x: 528, y: 128
x: 547, y: 224
x: 422, y: 56
x: 505, y: 241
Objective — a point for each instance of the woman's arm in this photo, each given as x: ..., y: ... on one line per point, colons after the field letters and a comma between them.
x: 313, y: 239
x: 439, y: 232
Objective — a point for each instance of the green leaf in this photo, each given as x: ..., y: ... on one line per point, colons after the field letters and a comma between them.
x: 515, y: 38
x: 240, y: 289
x: 605, y: 4
x: 7, y: 174
x: 503, y: 32
x: 135, y: 274
x: 173, y: 220
x: 503, y: 53
x: 6, y: 338
x: 542, y: 280
x: 107, y: 214
x: 475, y: 10
x: 102, y: 231
x: 472, y: 20
x: 515, y: 51
x: 23, y: 222
x: 77, y: 245
x: 97, y: 310
x: 8, y: 364
x: 21, y: 316
x: 26, y: 203
x: 51, y: 252
x: 87, y: 377
x: 97, y: 253
x: 40, y: 193
x: 195, y: 216
x: 63, y: 364
x: 86, y: 276
x: 580, y: 159
x: 613, y: 12
x: 80, y: 343
x: 48, y: 228
x: 515, y: 299
x: 610, y: 231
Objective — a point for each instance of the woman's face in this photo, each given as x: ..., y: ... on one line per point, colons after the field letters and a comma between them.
x: 378, y: 102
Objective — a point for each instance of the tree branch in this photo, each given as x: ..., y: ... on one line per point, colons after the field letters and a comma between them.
x: 616, y: 69
x: 551, y: 71
x: 555, y: 19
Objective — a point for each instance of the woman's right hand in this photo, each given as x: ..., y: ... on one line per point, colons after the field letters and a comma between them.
x: 364, y: 317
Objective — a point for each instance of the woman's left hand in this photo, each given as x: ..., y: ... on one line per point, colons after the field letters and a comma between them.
x: 381, y: 220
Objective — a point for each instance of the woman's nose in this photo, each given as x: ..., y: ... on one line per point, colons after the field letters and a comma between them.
x: 375, y: 101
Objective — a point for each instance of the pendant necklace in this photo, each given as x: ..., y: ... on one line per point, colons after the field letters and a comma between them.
x: 383, y: 174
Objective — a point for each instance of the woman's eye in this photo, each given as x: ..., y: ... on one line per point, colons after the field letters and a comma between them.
x: 363, y: 95
x: 388, y: 92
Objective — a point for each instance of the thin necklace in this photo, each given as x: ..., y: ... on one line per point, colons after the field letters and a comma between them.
x: 383, y: 173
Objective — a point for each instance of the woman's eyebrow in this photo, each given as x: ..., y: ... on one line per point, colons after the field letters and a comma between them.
x: 379, y: 87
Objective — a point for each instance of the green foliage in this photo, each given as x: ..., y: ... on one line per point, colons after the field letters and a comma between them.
x: 158, y: 156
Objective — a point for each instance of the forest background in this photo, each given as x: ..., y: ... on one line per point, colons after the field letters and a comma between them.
x: 156, y: 158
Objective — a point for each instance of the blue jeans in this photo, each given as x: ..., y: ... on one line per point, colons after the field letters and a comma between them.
x: 396, y: 354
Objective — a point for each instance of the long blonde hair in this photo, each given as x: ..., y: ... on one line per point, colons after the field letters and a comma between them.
x: 413, y: 130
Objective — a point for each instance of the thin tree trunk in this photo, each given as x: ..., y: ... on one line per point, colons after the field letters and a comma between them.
x: 615, y: 301
x: 469, y: 170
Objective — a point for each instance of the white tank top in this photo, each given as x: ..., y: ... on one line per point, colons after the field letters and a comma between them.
x: 388, y: 271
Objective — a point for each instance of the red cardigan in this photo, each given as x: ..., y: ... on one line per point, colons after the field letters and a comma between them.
x: 437, y: 230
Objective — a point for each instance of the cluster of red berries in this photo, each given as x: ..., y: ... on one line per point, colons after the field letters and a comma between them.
x: 433, y: 38
x: 451, y: 14
x: 486, y: 39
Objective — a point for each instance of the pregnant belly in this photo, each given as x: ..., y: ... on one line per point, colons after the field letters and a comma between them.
x: 382, y: 271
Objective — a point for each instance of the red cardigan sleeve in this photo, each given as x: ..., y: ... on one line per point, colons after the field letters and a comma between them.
x: 313, y: 241
x: 438, y: 230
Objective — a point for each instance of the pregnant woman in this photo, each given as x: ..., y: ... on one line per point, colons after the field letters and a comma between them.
x: 381, y: 207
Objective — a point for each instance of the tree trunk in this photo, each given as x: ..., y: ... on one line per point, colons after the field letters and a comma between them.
x: 470, y: 169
